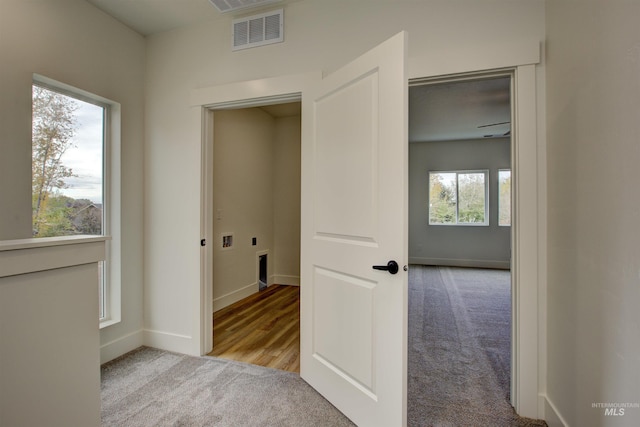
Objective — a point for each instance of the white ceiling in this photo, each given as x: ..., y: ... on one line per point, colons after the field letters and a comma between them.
x: 155, y: 16
x: 459, y: 110
x: 149, y: 17
x: 437, y: 112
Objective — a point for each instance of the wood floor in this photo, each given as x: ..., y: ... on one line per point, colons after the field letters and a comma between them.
x: 263, y: 329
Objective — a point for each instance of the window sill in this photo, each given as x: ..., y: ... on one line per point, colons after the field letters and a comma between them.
x: 108, y: 322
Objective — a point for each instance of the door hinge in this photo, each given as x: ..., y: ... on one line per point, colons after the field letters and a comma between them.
x: 203, y: 242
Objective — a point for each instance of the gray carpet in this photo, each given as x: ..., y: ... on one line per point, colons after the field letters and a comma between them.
x: 150, y: 387
x: 459, y: 348
x: 459, y: 335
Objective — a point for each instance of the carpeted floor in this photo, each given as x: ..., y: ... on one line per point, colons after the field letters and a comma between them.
x: 458, y: 373
x: 459, y: 348
x: 150, y: 387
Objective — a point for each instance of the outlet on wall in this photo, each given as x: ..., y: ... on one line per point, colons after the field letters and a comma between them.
x: 254, y: 241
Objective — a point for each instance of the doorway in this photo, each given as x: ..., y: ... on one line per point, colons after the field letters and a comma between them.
x: 460, y: 288
x: 255, y: 198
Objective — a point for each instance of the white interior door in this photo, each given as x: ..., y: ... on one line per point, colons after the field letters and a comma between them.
x: 354, y: 216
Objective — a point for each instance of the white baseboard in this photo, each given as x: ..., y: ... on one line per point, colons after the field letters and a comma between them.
x: 228, y: 299
x: 120, y: 346
x: 284, y: 279
x: 476, y: 263
x: 170, y: 342
x: 552, y: 415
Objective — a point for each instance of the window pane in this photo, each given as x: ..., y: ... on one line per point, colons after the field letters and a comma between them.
x: 504, y: 200
x: 471, y: 198
x: 442, y: 198
x: 67, y: 165
x: 67, y: 176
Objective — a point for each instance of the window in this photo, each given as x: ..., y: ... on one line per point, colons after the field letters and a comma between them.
x: 504, y: 198
x: 458, y: 198
x: 70, y: 173
x: 67, y: 165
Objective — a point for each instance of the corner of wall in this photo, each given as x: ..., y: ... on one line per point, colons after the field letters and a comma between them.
x: 120, y: 346
x: 285, y: 279
x: 551, y: 414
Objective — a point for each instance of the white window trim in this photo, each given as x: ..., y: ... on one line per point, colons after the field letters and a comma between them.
x: 486, y: 222
x: 112, y: 192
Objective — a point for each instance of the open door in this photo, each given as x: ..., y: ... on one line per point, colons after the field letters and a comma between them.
x: 354, y: 217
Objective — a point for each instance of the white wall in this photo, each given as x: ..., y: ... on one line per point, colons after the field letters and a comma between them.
x: 594, y: 254
x: 319, y: 35
x: 72, y: 42
x: 467, y: 246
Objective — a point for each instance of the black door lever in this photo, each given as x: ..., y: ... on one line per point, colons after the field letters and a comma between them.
x: 391, y: 267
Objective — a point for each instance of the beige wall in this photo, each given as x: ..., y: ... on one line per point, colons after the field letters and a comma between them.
x: 594, y: 256
x: 242, y: 198
x: 256, y: 193
x: 286, y: 201
x: 72, y: 42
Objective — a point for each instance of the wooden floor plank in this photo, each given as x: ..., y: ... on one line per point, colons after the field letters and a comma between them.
x: 262, y: 329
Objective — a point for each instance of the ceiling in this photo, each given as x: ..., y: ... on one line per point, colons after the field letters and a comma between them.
x: 155, y: 16
x: 437, y: 112
x: 460, y: 110
x: 149, y: 17
x: 283, y: 110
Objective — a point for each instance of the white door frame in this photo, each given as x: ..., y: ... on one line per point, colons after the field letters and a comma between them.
x: 529, y: 183
x: 518, y: 324
x: 230, y: 96
x: 528, y: 160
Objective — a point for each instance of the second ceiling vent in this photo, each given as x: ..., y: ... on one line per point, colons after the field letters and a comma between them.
x: 258, y: 30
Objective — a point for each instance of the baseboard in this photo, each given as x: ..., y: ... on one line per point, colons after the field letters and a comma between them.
x: 475, y: 263
x: 551, y: 414
x: 284, y: 279
x: 169, y: 341
x: 120, y: 346
x: 228, y: 299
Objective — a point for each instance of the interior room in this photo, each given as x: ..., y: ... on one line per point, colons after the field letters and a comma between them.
x: 459, y: 126
x: 158, y: 66
x: 459, y: 280
x: 256, y: 205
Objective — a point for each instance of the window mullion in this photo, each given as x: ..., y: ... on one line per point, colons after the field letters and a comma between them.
x: 457, y: 198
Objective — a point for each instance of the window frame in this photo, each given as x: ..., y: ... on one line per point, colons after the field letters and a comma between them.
x: 499, y: 198
x: 458, y: 172
x: 111, y: 182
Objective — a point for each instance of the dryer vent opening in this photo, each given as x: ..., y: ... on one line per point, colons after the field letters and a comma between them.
x: 262, y: 272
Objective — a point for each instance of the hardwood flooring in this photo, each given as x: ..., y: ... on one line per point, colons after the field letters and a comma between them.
x: 262, y: 329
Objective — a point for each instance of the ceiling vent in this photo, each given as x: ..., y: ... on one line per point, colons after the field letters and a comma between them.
x: 258, y: 30
x: 225, y: 6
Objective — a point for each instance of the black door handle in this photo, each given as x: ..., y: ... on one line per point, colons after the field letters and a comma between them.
x: 391, y: 267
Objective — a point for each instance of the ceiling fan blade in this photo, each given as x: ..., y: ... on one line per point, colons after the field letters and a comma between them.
x: 494, y: 124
